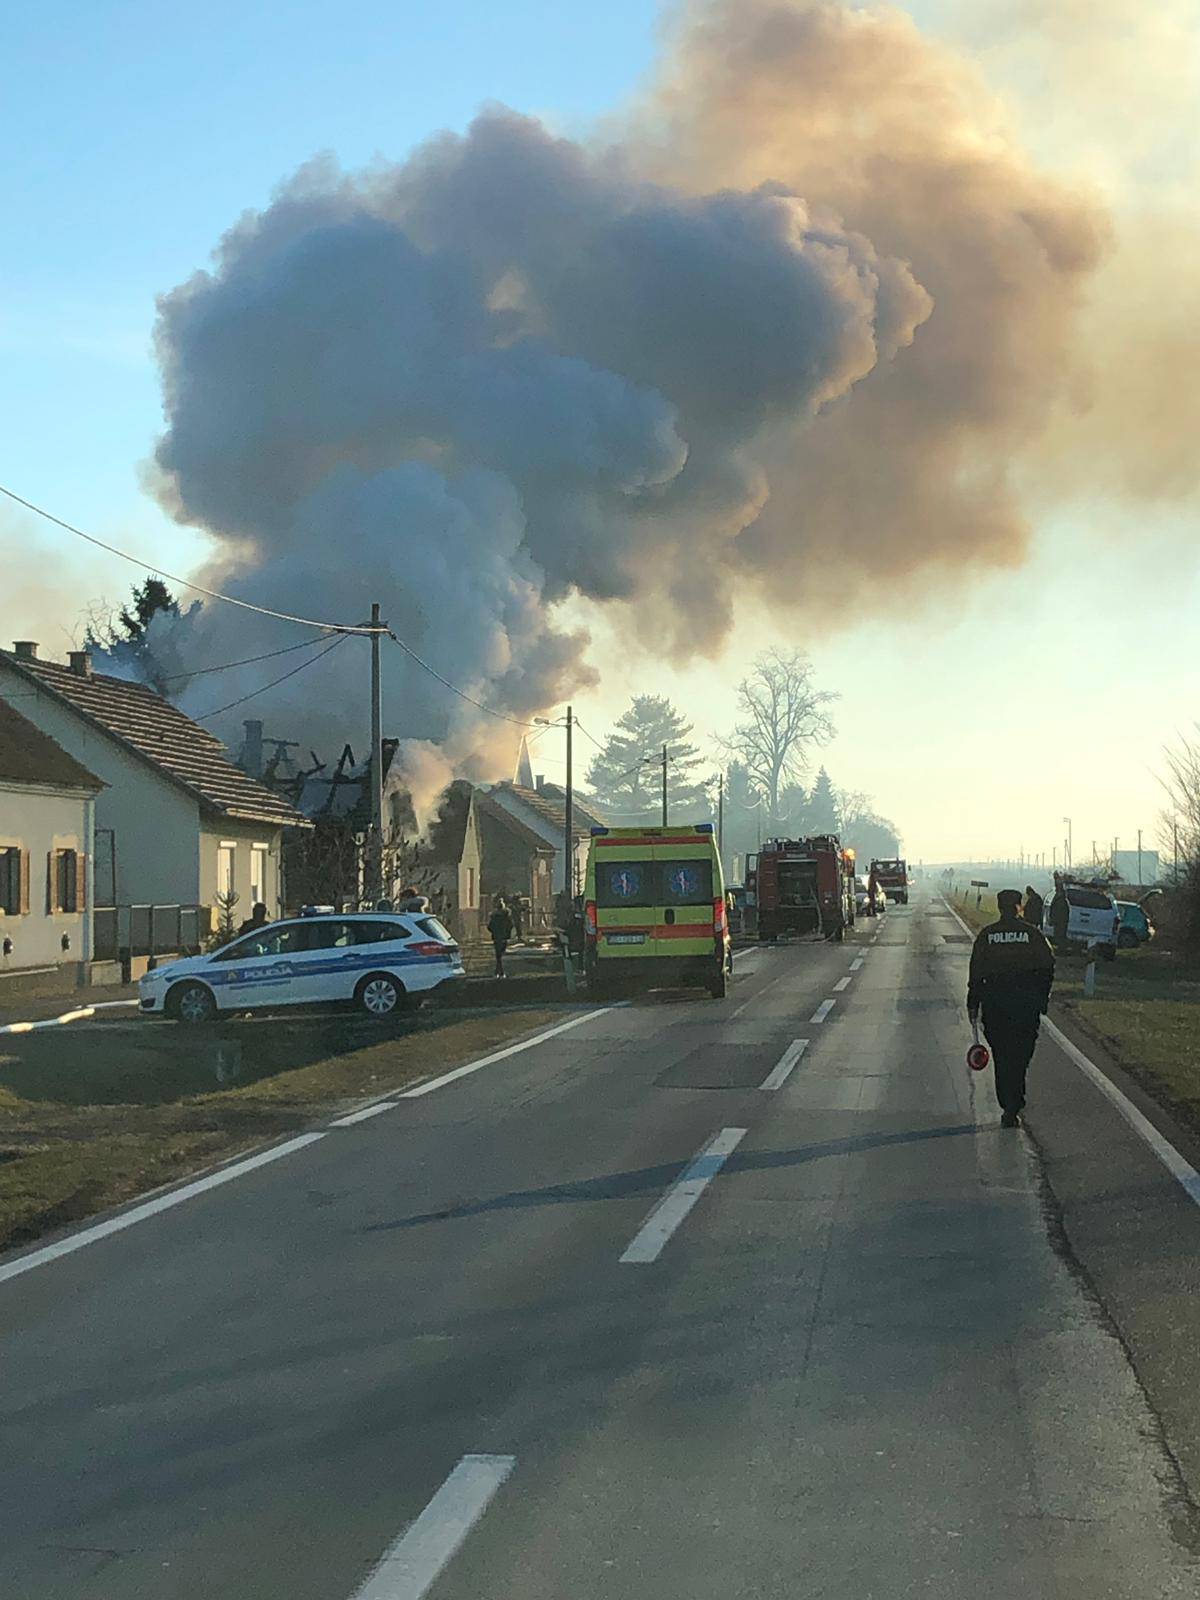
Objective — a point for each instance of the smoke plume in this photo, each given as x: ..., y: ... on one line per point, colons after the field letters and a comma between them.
x: 786, y: 338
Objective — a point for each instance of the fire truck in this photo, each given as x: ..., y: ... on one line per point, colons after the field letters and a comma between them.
x: 802, y: 886
x: 892, y: 878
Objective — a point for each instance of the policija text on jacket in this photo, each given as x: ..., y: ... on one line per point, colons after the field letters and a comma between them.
x: 1012, y: 972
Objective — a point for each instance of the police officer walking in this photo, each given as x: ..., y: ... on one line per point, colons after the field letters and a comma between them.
x: 1012, y: 971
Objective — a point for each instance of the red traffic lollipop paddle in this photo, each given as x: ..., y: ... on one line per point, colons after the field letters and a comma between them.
x: 977, y: 1056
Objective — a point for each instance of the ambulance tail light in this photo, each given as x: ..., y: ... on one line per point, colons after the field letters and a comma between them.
x: 591, y: 926
x: 720, y: 918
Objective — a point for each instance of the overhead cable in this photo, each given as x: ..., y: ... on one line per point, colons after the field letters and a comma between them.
x: 187, y: 583
x: 205, y: 715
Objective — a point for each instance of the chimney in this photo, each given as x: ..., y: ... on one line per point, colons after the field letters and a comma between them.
x: 81, y: 663
x: 25, y: 649
x: 539, y: 782
x: 252, y: 748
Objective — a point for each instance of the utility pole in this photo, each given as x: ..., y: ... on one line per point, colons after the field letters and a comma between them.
x: 664, y: 785
x: 1069, y: 845
x: 721, y: 818
x: 569, y: 820
x: 1175, y: 847
x: 375, y: 871
x: 1139, y: 858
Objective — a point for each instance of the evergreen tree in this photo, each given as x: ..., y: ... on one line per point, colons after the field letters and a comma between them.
x: 822, y: 806
x: 125, y: 643
x: 626, y: 776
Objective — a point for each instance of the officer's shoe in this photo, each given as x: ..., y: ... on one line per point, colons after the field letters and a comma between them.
x: 1010, y: 1119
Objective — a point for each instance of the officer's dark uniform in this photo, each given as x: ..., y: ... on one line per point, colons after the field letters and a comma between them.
x: 1012, y: 970
x: 1035, y: 909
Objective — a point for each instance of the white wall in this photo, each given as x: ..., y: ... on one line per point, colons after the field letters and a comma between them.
x: 40, y: 818
x: 242, y: 835
x: 155, y: 824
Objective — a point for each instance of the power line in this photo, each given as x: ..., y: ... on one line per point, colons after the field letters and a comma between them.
x: 200, y: 672
x: 462, y: 694
x: 588, y: 735
x: 210, y: 594
x: 204, y: 716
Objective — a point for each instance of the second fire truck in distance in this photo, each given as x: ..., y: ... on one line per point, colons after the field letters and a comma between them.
x: 892, y: 878
x: 802, y: 886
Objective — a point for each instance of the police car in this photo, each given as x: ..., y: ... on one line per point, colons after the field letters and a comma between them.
x: 373, y: 960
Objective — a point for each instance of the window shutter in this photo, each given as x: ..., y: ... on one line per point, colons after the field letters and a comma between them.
x: 24, y: 869
x: 80, y: 881
x: 51, y: 885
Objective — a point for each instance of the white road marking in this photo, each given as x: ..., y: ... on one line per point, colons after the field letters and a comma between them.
x: 67, y: 1016
x: 855, y: 965
x: 364, y: 1114
x: 782, y: 1069
x: 842, y: 983
x: 822, y: 1011
x: 151, y: 1208
x: 1182, y: 1171
x: 648, y: 1241
x: 499, y: 1055
x: 410, y: 1566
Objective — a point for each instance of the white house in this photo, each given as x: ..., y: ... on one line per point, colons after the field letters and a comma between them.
x: 47, y: 822
x: 543, y: 811
x: 176, y: 822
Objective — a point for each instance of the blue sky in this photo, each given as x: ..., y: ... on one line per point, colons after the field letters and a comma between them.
x: 137, y: 133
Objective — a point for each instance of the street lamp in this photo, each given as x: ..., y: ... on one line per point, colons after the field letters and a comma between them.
x: 1070, y: 842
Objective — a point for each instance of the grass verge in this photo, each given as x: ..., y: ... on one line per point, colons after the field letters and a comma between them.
x: 95, y: 1115
x: 1145, y: 1012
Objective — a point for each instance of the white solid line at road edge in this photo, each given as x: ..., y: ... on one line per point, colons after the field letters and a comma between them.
x: 412, y: 1563
x: 855, y: 965
x: 235, y: 1169
x: 68, y: 1016
x: 647, y: 1243
x: 822, y: 1011
x: 842, y: 983
x: 151, y: 1208
x: 782, y: 1069
x: 500, y: 1055
x: 1182, y: 1171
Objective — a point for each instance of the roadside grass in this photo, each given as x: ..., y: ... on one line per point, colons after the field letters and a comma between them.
x: 1145, y: 1012
x: 94, y: 1114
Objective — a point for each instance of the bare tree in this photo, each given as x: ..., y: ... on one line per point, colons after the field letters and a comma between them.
x: 781, y: 714
x: 1180, y: 822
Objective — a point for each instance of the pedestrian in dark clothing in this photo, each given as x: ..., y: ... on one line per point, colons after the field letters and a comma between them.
x: 500, y: 926
x: 257, y: 919
x: 1035, y: 906
x: 1060, y: 917
x: 1012, y: 971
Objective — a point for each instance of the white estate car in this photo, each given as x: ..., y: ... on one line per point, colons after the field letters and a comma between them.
x: 373, y: 959
x: 1095, y: 920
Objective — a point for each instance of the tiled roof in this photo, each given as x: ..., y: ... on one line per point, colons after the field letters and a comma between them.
x: 27, y: 755
x: 152, y: 728
x: 508, y: 819
x: 550, y: 811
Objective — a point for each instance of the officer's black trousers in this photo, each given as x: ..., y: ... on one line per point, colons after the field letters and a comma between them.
x: 1012, y: 1033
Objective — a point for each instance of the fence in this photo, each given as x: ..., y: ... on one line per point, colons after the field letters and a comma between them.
x: 127, y: 931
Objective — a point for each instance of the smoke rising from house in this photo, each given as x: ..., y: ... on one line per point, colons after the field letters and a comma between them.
x: 783, y: 339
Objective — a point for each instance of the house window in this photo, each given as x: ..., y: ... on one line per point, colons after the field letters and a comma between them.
x: 226, y: 856
x: 12, y: 901
x: 258, y: 873
x: 65, y: 887
x: 470, y: 888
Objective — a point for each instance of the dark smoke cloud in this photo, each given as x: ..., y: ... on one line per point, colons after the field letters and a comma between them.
x: 504, y: 372
x: 918, y: 475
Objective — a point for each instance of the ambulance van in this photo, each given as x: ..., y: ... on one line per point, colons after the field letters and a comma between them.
x: 654, y: 910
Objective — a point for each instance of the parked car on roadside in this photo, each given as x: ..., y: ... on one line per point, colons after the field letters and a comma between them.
x: 1136, y: 927
x: 373, y: 960
x: 1094, y: 921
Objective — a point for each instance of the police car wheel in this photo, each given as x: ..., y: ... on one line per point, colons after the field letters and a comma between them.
x: 192, y: 1003
x: 379, y: 995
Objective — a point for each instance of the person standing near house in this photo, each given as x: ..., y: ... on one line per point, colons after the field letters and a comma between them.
x: 500, y: 926
x: 258, y: 918
x: 1060, y: 915
x: 1012, y: 971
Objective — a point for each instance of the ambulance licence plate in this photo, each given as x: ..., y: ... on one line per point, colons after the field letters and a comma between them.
x: 625, y: 938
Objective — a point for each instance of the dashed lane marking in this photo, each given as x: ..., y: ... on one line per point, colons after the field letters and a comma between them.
x: 648, y: 1242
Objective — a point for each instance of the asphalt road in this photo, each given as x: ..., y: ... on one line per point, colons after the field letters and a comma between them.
x: 608, y: 1318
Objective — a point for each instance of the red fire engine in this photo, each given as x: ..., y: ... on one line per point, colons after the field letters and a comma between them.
x: 892, y: 878
x: 802, y: 886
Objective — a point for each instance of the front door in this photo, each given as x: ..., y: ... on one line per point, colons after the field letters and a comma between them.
x: 260, y: 969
